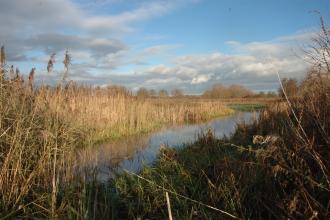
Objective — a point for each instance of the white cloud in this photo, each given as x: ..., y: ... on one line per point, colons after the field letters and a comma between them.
x: 154, y: 82
x: 159, y: 49
x: 54, y: 25
x: 159, y: 69
x: 201, y: 79
x: 122, y: 21
x: 31, y: 27
x: 254, y: 64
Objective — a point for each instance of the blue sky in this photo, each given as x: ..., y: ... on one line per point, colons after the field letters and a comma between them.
x: 186, y: 44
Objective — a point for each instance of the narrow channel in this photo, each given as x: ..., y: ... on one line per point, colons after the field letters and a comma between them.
x: 135, y: 152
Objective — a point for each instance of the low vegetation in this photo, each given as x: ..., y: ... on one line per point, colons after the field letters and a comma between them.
x: 249, y: 107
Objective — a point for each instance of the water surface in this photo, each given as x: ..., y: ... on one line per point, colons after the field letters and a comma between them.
x: 135, y: 152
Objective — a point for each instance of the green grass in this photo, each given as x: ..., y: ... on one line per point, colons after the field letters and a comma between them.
x: 247, y: 107
x: 98, y: 136
x: 209, y: 171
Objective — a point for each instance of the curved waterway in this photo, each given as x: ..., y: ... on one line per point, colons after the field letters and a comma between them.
x: 134, y: 152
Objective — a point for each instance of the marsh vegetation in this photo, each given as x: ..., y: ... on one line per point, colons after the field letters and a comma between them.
x: 273, y: 168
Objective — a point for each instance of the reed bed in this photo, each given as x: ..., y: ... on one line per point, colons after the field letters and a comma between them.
x: 108, y: 115
x: 40, y: 128
x: 276, y: 168
x: 35, y: 148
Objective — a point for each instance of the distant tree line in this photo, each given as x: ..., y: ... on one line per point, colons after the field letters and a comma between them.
x: 144, y: 93
x: 233, y: 91
x: 217, y: 91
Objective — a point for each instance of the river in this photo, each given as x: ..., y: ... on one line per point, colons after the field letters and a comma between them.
x: 134, y: 152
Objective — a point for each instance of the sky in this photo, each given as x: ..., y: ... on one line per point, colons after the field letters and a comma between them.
x: 163, y: 44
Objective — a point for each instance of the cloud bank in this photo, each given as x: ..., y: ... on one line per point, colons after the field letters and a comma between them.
x: 34, y: 30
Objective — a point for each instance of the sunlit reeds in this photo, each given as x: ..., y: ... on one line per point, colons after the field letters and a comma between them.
x: 42, y: 126
x: 113, y: 115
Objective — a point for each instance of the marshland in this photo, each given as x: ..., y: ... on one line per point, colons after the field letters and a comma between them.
x: 74, y: 145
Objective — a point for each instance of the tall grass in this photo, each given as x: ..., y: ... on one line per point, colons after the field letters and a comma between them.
x: 111, y: 115
x: 40, y: 128
x: 35, y: 146
x: 282, y: 174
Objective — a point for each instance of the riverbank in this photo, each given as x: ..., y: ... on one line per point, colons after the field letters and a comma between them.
x: 194, y: 112
x: 247, y: 107
x: 41, y: 128
x: 231, y: 175
x: 105, y: 115
x: 240, y: 177
x: 262, y: 171
x: 135, y: 152
x: 275, y: 168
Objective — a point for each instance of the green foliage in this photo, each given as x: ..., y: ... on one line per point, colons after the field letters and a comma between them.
x: 210, y: 172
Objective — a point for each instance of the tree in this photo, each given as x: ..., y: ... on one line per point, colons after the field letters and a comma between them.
x: 319, y: 52
x: 290, y: 87
x: 271, y: 94
x: 163, y: 93
x: 118, y: 90
x: 152, y: 92
x: 177, y: 92
x: 233, y: 91
x: 239, y: 91
x: 142, y: 93
x: 2, y: 61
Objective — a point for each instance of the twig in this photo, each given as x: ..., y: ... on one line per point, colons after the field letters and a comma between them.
x: 168, y: 206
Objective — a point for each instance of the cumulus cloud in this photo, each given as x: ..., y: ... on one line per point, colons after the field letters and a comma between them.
x: 121, y: 22
x: 33, y: 30
x: 55, y: 42
x: 253, y: 64
x: 159, y: 49
x: 39, y: 14
x: 201, y: 79
x: 55, y: 25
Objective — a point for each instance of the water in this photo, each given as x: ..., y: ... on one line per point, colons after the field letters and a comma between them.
x: 135, y: 152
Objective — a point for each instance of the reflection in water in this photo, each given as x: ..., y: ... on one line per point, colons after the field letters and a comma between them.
x: 134, y: 152
x: 108, y: 156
